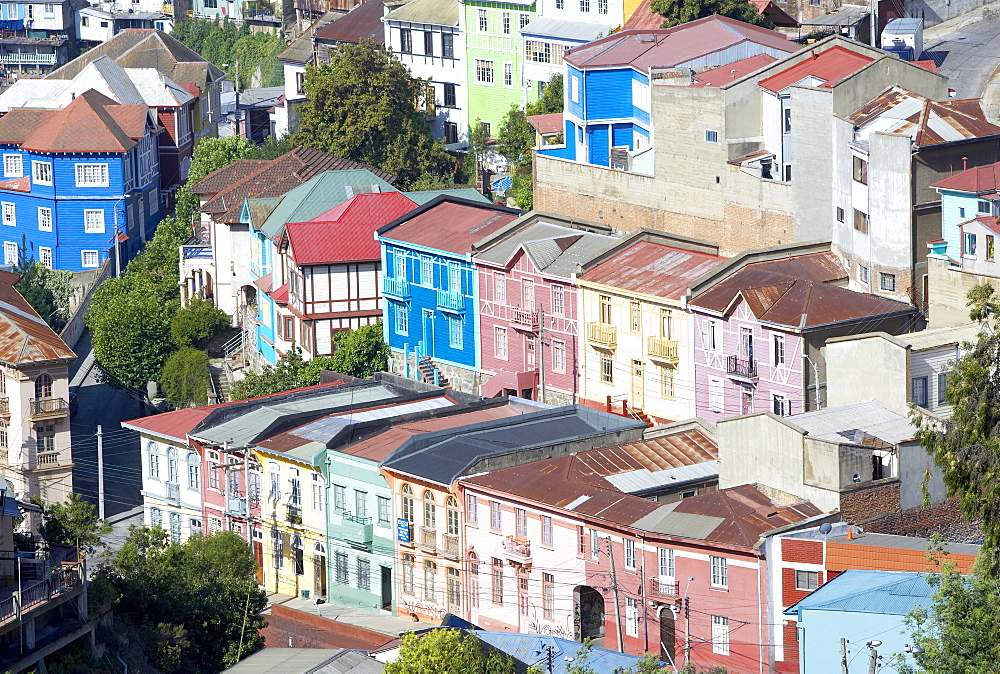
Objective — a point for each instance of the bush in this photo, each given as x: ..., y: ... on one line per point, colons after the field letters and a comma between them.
x: 196, y: 323
x: 185, y: 378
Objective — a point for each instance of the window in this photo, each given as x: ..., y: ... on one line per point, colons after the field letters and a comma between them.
x: 806, y: 580
x: 584, y: 5
x: 779, y: 350
x: 863, y: 274
x: 720, y: 572
x: 93, y: 221
x: 595, y: 543
x: 720, y: 635
x: 13, y: 166
x: 155, y: 517
x: 426, y: 272
x: 430, y: 573
x: 496, y: 515
x: 860, y: 171
x: 401, y: 318
x: 41, y: 172
x: 454, y: 591
x: 195, y: 525
x: 171, y: 464
x: 88, y: 258
x: 546, y: 530
x: 581, y: 541
x: 787, y: 120
x: 508, y: 74
x: 473, y: 581
x: 887, y: 282
x: 384, y: 510
x: 500, y: 341
x: 360, y: 503
x: 408, y: 574
x: 497, y: 571
x: 666, y: 563
x: 45, y: 219
x: 711, y: 136
x: 483, y: 23
x: 521, y: 522
x: 505, y: 22
x: 90, y: 175
x: 298, y: 555
x: 840, y: 214
x: 575, y: 89
x: 708, y: 340
x: 942, y: 387
x: 85, y: 21
x: 860, y: 221
x: 984, y: 207
x: 456, y: 327
x: 500, y: 287
x: 631, y: 616
x: 451, y: 516
x: 558, y: 356
x: 46, y: 438
x: 991, y: 247
x: 970, y: 244
x: 300, y: 88
x: 275, y: 492
x: 602, y: 6
x: 339, y: 498
x: 448, y: 47
x: 277, y: 557
x: 317, y: 493
x: 405, y: 41
x: 605, y: 307
x: 10, y: 219
x: 471, y: 509
x: 629, y: 553
x: 449, y: 95
x: 524, y: 18
x: 364, y: 574
x: 104, y: 24
x: 667, y: 382
x: 918, y: 391
x: 779, y: 404
x: 430, y: 511
x: 716, y: 397
x: 538, y: 52
x: 548, y: 596
x: 429, y: 43
x: 450, y: 132
x: 45, y: 257
x: 607, y: 369
x: 635, y: 316
x: 340, y: 567
x: 407, y: 504
x: 154, y: 461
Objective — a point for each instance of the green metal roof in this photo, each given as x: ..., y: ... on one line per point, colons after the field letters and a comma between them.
x: 436, y: 12
x: 470, y: 193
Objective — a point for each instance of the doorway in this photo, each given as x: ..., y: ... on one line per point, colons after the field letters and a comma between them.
x: 386, y: 588
x: 638, y: 385
x: 589, y: 613
x: 258, y: 555
x: 319, y: 570
x: 667, y: 637
x: 428, y: 333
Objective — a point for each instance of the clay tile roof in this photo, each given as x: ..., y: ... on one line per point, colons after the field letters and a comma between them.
x: 25, y: 338
x: 830, y: 66
x: 218, y: 180
x: 88, y: 124
x: 132, y: 119
x: 978, y: 180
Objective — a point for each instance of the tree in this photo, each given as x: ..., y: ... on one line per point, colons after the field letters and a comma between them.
x: 447, y: 650
x: 362, y: 105
x: 48, y: 291
x: 967, y: 448
x: 683, y: 11
x: 74, y: 522
x: 196, y: 604
x: 286, y: 375
x: 516, y: 136
x: 196, y: 323
x: 250, y: 59
x: 551, y: 99
x: 186, y: 378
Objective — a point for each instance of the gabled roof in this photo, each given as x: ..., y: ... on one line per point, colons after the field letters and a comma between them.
x: 530, y: 649
x: 546, y: 124
x: 449, y: 223
x: 220, y: 179
x: 364, y: 21
x: 301, y: 50
x: 554, y: 249
x: 977, y: 180
x: 927, y: 122
x: 346, y: 232
x: 668, y: 47
x: 894, y: 593
x: 25, y: 338
x: 829, y: 66
x: 433, y: 12
x: 652, y: 268
x: 716, y: 77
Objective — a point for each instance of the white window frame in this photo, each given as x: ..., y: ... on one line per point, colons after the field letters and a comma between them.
x: 629, y: 546
x: 574, y: 89
x: 631, y: 616
x: 716, y: 395
x: 666, y: 563
x: 9, y: 213
x: 720, y: 571
x: 41, y: 172
x: 8, y: 248
x: 500, y: 342
x: 508, y: 75
x: 778, y: 348
x: 558, y: 356
x: 485, y: 71
x: 720, y: 635
x: 13, y: 166
x: 45, y: 257
x: 92, y: 175
x: 96, y: 260
x: 44, y: 214
x: 711, y: 136
x: 93, y: 221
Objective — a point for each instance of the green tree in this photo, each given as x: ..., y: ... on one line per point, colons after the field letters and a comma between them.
x: 677, y: 12
x: 362, y: 105
x: 186, y: 378
x: 250, y: 59
x: 196, y: 323
x: 551, y: 99
x: 48, y: 291
x: 516, y: 136
x: 73, y: 522
x: 447, y: 650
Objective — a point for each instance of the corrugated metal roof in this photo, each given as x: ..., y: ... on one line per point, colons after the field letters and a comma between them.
x: 469, y: 193
x: 301, y: 50
x: 642, y: 480
x: 926, y: 122
x: 434, y: 12
x: 670, y: 450
x: 653, y: 269
x: 553, y: 249
x: 855, y: 591
x: 546, y: 124
x: 856, y: 423
x: 449, y: 224
x: 977, y: 180
x: 311, y: 660
x: 716, y: 77
x: 532, y: 649
x: 364, y: 21
x: 847, y: 15
x: 25, y: 338
x: 830, y: 66
x: 580, y: 31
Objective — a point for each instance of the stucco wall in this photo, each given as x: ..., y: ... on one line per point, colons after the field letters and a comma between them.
x: 871, y: 365
x: 948, y: 290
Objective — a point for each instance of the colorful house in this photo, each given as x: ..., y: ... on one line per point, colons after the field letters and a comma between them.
x: 970, y: 203
x: 528, y: 306
x: 79, y: 182
x: 636, y: 353
x: 431, y: 311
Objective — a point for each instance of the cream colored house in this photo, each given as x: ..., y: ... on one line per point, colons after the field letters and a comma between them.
x: 636, y: 351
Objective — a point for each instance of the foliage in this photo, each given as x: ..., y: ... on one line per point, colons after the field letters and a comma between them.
x: 516, y: 135
x: 225, y: 44
x: 74, y: 522
x: 75, y: 659
x: 967, y: 449
x: 479, y: 140
x: 197, y: 603
x: 275, y: 147
x: 196, y: 323
x: 447, y: 650
x: 581, y: 663
x: 48, y: 291
x: 362, y: 105
x: 210, y: 155
x: 682, y: 11
x: 433, y: 181
x: 186, y: 378
x: 551, y: 99
x: 286, y: 375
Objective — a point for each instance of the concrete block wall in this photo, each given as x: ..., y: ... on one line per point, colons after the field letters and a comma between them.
x: 947, y: 293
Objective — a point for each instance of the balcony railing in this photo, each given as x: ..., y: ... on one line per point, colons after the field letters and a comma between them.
x: 665, y: 349
x: 396, y: 287
x: 518, y: 548
x: 294, y: 515
x: 449, y: 546
x: 48, y: 407
x: 173, y: 491
x: 746, y: 368
x: 428, y: 539
x: 602, y: 333
x: 5, y: 407
x: 450, y: 299
x: 48, y: 459
x: 663, y: 587
x: 198, y: 252
x: 351, y: 517
x: 525, y: 317
x: 25, y: 58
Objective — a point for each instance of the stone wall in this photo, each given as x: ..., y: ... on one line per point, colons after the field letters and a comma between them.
x: 865, y: 502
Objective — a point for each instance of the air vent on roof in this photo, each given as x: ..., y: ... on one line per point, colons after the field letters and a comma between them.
x: 646, y: 38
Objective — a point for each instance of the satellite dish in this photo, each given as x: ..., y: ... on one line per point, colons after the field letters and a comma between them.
x: 825, y: 528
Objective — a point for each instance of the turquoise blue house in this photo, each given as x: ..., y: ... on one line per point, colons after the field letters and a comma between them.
x: 970, y: 204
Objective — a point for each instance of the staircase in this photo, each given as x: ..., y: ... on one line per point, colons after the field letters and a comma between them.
x: 220, y: 380
x: 428, y: 369
x: 637, y: 414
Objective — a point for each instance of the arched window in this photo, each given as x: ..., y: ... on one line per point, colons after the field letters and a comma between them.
x: 194, y: 471
x: 154, y: 460
x: 473, y: 564
x: 430, y: 575
x: 452, y: 507
x: 319, y: 550
x: 276, y: 552
x: 297, y: 553
x: 155, y: 517
x: 43, y: 386
x: 172, y: 464
x: 430, y: 514
x: 408, y: 503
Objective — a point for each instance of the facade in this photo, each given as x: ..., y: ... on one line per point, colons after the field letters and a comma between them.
x: 528, y: 306
x: 95, y: 25
x: 431, y: 309
x: 554, y: 31
x: 80, y: 182
x: 38, y: 37
x: 636, y: 350
x: 298, y: 55
x: 35, y: 435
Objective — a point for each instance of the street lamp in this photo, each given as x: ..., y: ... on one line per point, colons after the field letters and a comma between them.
x: 55, y: 312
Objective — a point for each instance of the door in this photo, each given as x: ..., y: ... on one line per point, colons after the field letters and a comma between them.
x: 258, y: 555
x: 638, y: 384
x: 319, y: 573
x: 746, y: 343
x: 667, y: 651
x: 428, y: 332
x: 386, y: 588
x: 747, y: 400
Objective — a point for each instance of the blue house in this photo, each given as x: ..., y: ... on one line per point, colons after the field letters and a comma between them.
x: 866, y: 608
x: 970, y: 203
x: 79, y: 183
x: 431, y: 290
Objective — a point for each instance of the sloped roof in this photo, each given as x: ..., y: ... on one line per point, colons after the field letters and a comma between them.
x: 652, y: 268
x: 990, y: 222
x: 25, y: 338
x: 855, y: 591
x: 830, y: 66
x: 553, y: 249
x: 467, y: 193
x: 643, y: 18
x: 544, y: 124
x: 670, y: 450
x: 220, y: 179
x: 364, y: 21
x: 580, y: 31
x: 860, y: 423
x: 716, y: 77
x: 927, y: 122
x: 530, y: 649
x: 776, y: 15
x: 17, y: 125
x: 301, y: 50
x: 434, y: 12
x: 667, y: 47
x: 977, y: 180
x: 449, y: 224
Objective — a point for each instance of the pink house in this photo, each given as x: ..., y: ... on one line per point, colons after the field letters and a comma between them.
x: 528, y: 305
x: 761, y: 323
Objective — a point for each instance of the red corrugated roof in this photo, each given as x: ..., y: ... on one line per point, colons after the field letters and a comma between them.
x: 543, y: 124
x: 653, y: 268
x: 716, y: 77
x: 987, y: 221
x: 346, y: 233
x: 451, y: 224
x: 976, y: 180
x: 363, y: 22
x: 831, y: 66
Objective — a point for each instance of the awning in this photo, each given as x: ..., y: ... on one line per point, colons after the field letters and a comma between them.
x: 11, y: 24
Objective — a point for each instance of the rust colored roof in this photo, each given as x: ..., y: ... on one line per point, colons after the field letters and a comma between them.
x: 830, y: 66
x: 749, y: 156
x: 653, y: 269
x: 19, y: 123
x: 363, y: 22
x: 978, y: 180
x: 643, y: 18
x: 716, y: 77
x: 449, y: 223
x: 544, y: 124
x: 26, y: 339
x: 927, y: 65
x: 218, y: 180
x: 16, y: 184
x: 278, y: 177
x: 927, y: 122
x: 990, y: 222
x: 673, y: 450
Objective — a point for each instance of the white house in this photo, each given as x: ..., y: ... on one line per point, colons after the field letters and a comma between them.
x: 294, y: 60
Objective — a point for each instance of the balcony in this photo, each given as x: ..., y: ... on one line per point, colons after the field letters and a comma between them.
x: 449, y: 546
x: 26, y: 58
x: 237, y: 507
x: 518, y: 549
x: 395, y: 287
x: 600, y: 333
x: 428, y: 539
x: 526, y: 318
x: 450, y: 299
x: 356, y: 530
x: 742, y: 368
x: 294, y: 515
x: 47, y: 459
x: 664, y: 587
x: 196, y: 252
x: 5, y: 408
x: 48, y: 408
x: 662, y: 349
x: 173, y: 491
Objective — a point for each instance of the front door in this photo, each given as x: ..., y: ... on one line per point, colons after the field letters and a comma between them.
x: 638, y: 384
x: 258, y: 555
x: 386, y: 588
x: 319, y: 575
x: 428, y: 330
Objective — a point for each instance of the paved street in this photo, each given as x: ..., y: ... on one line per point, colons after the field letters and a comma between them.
x: 101, y: 404
x: 967, y: 53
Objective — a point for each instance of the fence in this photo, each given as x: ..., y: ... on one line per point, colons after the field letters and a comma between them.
x: 74, y: 327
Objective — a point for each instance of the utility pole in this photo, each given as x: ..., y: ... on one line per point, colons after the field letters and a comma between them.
x: 873, y: 662
x: 843, y: 656
x: 225, y: 486
x: 100, y: 473
x: 541, y: 354
x: 687, y: 630
x: 614, y: 588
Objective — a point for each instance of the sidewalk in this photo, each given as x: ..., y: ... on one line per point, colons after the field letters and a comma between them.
x: 938, y: 31
x: 370, y: 620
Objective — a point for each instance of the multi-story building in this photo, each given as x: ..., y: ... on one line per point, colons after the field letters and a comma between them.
x: 528, y: 306
x: 95, y: 25
x: 81, y: 183
x: 35, y: 454
x: 37, y: 37
x: 431, y: 308
x: 295, y: 58
x: 761, y: 322
x: 549, y: 36
x: 422, y: 474
x: 636, y: 350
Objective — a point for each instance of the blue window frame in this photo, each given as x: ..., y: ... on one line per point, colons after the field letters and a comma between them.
x: 402, y: 319
x: 455, y: 326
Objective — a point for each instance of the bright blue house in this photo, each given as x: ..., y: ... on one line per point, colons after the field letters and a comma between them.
x: 431, y: 290
x: 78, y: 179
x: 970, y: 204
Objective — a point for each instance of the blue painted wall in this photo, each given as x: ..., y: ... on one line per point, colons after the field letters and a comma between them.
x: 597, y: 144
x: 952, y: 215
x: 265, y: 333
x: 820, y: 632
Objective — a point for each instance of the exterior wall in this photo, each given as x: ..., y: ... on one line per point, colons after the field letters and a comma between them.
x: 284, y: 117
x: 948, y: 295
x: 849, y: 367
x: 820, y: 636
x: 785, y: 557
x: 229, y: 495
x: 172, y: 478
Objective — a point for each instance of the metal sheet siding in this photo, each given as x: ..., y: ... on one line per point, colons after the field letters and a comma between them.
x: 574, y: 107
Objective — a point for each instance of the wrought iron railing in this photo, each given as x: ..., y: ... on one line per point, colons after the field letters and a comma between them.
x: 48, y: 406
x: 742, y: 367
x: 518, y: 547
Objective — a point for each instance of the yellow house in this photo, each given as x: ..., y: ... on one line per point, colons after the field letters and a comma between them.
x: 636, y: 352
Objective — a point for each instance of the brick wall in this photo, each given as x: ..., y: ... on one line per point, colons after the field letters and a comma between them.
x: 868, y: 501
x: 291, y: 628
x: 790, y: 595
x: 791, y: 642
x: 801, y: 551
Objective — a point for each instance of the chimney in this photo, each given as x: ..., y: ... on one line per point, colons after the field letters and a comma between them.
x: 965, y: 163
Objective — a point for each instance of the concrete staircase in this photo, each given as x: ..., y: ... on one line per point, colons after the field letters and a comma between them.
x: 220, y: 380
x: 427, y: 370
